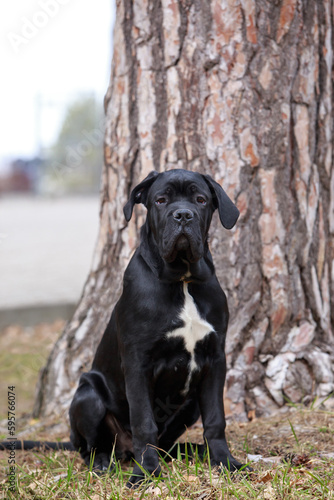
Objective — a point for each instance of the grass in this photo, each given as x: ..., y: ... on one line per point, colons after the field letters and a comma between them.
x: 61, y: 476
x: 299, y: 441
x: 294, y: 433
x: 23, y: 352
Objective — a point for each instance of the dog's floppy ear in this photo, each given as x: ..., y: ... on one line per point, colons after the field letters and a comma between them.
x: 139, y: 194
x: 228, y: 212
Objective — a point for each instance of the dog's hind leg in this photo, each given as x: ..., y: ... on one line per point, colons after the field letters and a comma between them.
x: 90, y: 433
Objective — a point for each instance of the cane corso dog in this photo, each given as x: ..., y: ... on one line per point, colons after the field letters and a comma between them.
x: 161, y: 362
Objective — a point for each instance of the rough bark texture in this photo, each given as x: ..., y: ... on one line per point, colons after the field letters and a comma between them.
x: 241, y: 90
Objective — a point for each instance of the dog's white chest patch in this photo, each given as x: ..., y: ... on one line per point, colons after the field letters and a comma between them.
x: 194, y: 329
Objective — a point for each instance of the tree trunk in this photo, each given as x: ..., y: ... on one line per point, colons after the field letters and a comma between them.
x: 241, y: 90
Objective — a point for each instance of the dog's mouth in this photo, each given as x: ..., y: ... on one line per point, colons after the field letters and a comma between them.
x: 183, y: 247
x: 182, y: 243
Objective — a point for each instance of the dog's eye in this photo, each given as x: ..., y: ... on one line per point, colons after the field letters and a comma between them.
x: 160, y: 201
x: 201, y: 200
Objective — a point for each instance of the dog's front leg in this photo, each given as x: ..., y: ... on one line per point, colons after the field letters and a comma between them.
x: 143, y: 426
x: 213, y: 417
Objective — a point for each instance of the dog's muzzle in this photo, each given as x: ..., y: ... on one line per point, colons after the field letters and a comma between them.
x: 182, y: 237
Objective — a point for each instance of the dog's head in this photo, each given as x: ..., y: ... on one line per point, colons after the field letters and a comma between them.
x: 180, y: 205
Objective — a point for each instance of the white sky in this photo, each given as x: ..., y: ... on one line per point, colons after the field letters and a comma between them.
x: 51, y: 51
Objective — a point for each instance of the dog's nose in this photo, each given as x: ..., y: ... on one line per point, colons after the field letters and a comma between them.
x: 183, y: 215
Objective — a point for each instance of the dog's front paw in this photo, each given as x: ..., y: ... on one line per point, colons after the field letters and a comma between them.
x: 100, y: 463
x: 139, y: 477
x: 230, y: 464
x: 136, y: 480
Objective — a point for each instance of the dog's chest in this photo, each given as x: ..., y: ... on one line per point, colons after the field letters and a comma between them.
x: 194, y: 328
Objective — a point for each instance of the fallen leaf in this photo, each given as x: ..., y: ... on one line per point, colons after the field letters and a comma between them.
x: 254, y: 458
x: 265, y: 478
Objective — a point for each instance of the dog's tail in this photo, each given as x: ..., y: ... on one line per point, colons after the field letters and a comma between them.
x: 38, y: 445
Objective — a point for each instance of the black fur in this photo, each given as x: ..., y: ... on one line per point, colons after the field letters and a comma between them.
x: 134, y: 397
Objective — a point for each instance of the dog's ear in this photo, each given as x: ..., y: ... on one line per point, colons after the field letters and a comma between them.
x: 139, y: 194
x: 228, y: 212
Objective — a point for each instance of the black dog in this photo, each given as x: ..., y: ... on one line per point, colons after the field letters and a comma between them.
x: 161, y: 361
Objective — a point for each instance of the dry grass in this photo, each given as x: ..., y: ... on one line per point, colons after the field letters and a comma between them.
x: 23, y: 352
x: 298, y: 441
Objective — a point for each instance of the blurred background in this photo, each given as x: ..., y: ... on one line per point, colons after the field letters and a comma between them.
x: 56, y: 58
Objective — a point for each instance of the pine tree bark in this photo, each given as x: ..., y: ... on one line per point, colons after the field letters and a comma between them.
x: 241, y: 90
